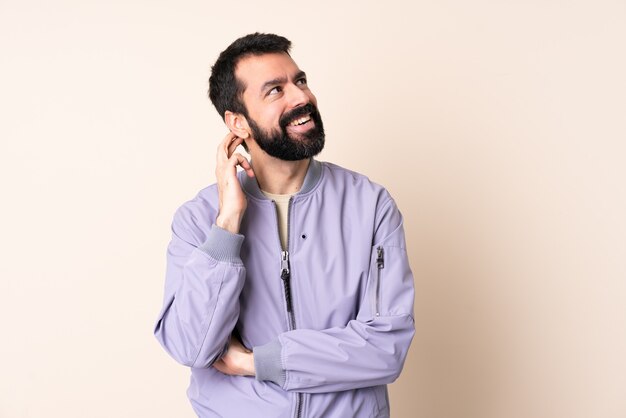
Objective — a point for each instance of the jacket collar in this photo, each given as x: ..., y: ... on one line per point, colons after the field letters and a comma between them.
x: 311, y: 178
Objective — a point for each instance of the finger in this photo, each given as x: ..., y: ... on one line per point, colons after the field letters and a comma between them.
x: 233, y: 145
x: 228, y: 140
x: 221, y: 367
x: 240, y: 160
x: 230, y: 136
x: 222, y: 148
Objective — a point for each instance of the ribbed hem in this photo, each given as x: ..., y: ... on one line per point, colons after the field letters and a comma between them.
x: 268, y: 364
x: 313, y: 174
x: 223, y: 245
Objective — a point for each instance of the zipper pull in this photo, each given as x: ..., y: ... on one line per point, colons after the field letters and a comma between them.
x: 380, y: 258
x: 284, y: 263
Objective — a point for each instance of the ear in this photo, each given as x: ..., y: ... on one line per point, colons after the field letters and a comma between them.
x: 237, y: 124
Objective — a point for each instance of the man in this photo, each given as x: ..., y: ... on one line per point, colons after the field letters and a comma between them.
x: 288, y: 290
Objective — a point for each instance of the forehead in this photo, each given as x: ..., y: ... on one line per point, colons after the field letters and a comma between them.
x: 254, y: 70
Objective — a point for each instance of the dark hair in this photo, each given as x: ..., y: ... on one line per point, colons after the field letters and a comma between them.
x: 225, y: 91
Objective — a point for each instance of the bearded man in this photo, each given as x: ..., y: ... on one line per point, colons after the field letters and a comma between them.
x: 288, y: 290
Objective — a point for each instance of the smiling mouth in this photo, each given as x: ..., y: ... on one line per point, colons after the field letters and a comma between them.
x: 300, y: 121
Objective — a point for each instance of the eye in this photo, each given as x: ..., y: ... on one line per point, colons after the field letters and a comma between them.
x: 301, y: 81
x: 275, y: 90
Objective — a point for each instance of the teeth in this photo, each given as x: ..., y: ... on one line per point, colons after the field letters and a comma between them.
x: 300, y: 121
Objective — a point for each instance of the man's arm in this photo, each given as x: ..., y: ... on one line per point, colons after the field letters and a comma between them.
x: 205, y: 274
x: 202, y: 287
x: 368, y: 351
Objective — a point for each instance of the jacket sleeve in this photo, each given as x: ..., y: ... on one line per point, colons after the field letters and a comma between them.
x: 370, y: 350
x: 204, y: 278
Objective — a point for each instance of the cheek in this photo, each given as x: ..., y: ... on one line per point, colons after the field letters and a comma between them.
x: 268, y: 118
x: 272, y: 116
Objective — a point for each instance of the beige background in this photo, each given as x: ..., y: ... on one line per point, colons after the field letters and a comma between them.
x: 497, y: 125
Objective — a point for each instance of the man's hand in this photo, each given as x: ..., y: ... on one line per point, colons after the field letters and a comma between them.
x: 238, y: 361
x: 232, y: 200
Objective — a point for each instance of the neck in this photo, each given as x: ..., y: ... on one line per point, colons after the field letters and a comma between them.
x: 278, y: 176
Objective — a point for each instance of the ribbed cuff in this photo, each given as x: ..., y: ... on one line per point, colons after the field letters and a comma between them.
x: 223, y: 245
x: 268, y: 364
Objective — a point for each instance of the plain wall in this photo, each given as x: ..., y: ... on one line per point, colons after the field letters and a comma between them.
x: 498, y: 126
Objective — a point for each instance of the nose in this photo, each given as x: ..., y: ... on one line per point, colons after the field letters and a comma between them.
x: 296, y: 96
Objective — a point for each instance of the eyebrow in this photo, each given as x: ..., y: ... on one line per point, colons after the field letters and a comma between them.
x: 280, y: 80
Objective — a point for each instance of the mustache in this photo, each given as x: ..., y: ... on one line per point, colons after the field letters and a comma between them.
x: 298, y: 112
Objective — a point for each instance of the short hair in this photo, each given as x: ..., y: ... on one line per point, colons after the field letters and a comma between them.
x: 225, y: 91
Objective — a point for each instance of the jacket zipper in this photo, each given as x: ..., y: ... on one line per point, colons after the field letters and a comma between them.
x: 380, y: 264
x: 285, y: 276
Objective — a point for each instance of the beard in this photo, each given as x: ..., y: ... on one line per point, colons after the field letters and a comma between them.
x: 280, y: 144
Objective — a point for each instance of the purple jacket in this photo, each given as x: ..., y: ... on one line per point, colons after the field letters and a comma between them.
x: 330, y: 321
